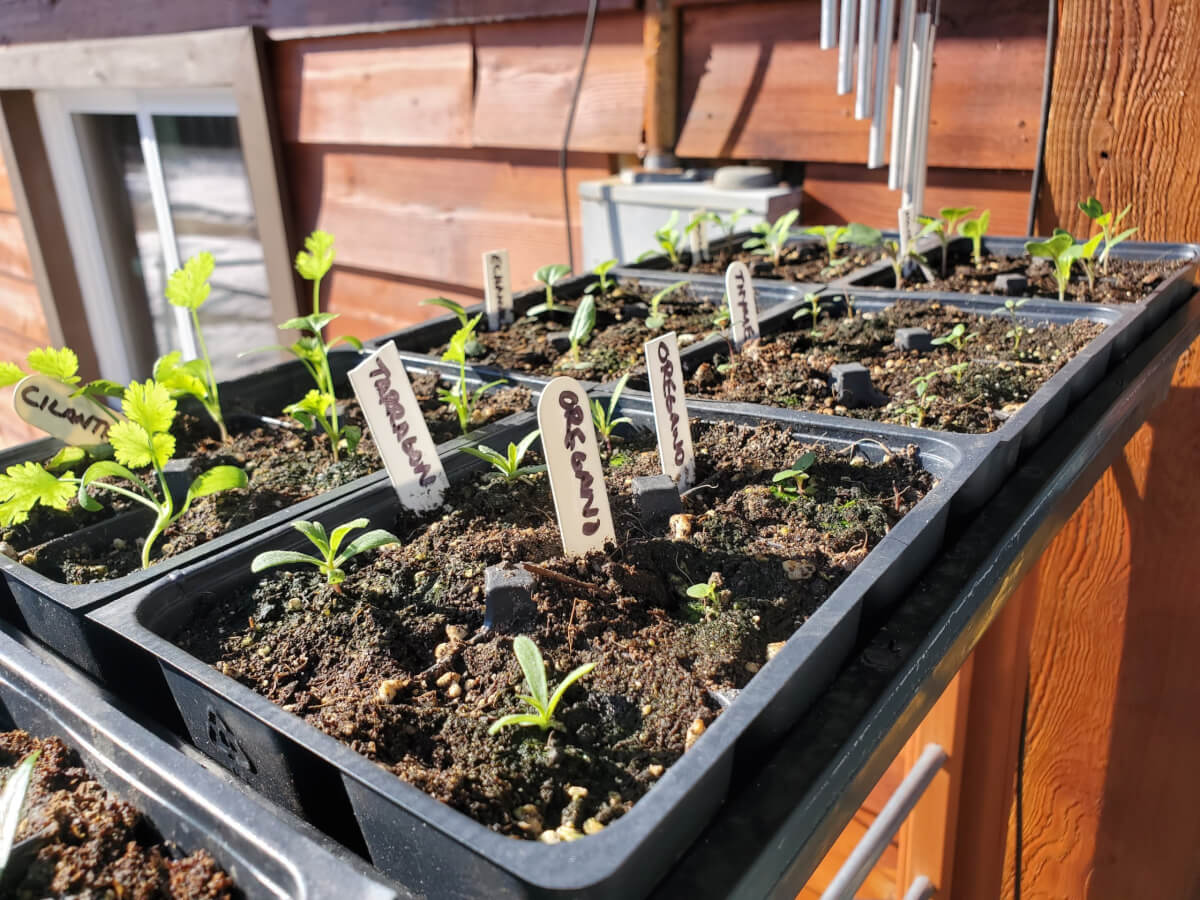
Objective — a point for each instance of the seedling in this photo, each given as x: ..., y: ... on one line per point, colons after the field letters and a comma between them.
x: 699, y: 218
x: 832, y: 235
x: 728, y: 225
x: 605, y: 284
x: 11, y: 801
x: 1017, y: 329
x: 603, y: 417
x: 534, y: 668
x: 330, y: 561
x: 549, y: 276
x: 957, y: 337
x: 772, y: 239
x: 318, y: 409
x: 789, y: 485
x: 1062, y: 250
x: 866, y: 236
x: 920, y: 408
x: 582, y: 324
x: 958, y: 370
x: 656, y: 320
x: 62, y: 365
x: 1108, y: 224
x: 508, y: 464
x: 814, y: 311
x: 709, y: 594
x: 668, y: 237
x: 143, y: 440
x: 944, y: 225
x: 975, y: 229
x: 462, y: 344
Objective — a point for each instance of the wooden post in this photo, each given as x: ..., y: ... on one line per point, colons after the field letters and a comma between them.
x: 660, y: 40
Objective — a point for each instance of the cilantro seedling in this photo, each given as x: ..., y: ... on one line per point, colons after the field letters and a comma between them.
x: 789, y: 484
x: 772, y: 238
x: 957, y: 337
x: 62, y: 365
x: 1063, y: 252
x: 655, y: 320
x: 508, y: 464
x: 920, y: 408
x: 975, y: 229
x: 548, y: 276
x: 603, y: 417
x: 188, y: 288
x: 814, y: 311
x: 330, y: 561
x: 1017, y: 329
x: 461, y: 345
x: 709, y: 595
x: 544, y: 704
x: 605, y: 284
x: 582, y: 324
x: 143, y: 440
x: 958, y: 370
x: 1108, y: 223
x: 319, y: 409
x: 832, y: 235
x: 943, y: 225
x: 11, y: 801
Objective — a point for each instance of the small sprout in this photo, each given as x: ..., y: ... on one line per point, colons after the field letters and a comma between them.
x: 1108, y: 224
x: 975, y: 229
x: 656, y: 320
x: 771, y: 239
x: 668, y: 240
x: 851, y: 306
x: 814, y: 311
x: 789, y: 484
x: 832, y: 235
x: 721, y: 319
x: 188, y: 288
x: 699, y: 218
x: 330, y: 561
x: 534, y: 668
x: 865, y: 236
x: 920, y: 407
x: 602, y: 417
x: 944, y: 225
x: 319, y: 409
x: 728, y: 225
x: 508, y: 465
x: 605, y: 284
x: 1017, y: 329
x: 957, y: 337
x: 462, y: 345
x: 710, y: 594
x: 549, y: 276
x: 958, y: 370
x: 582, y: 324
x: 11, y: 801
x: 1062, y: 250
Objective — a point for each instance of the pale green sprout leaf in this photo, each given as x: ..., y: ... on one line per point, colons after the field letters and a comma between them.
x: 25, y: 485
x: 10, y: 373
x: 863, y: 235
x: 551, y: 274
x: 211, y: 481
x: 62, y: 363
x: 573, y: 676
x: 314, y: 322
x: 582, y: 322
x: 106, y: 468
x: 271, y: 558
x: 179, y: 377
x: 150, y: 405
x: 448, y: 304
x: 12, y: 799
x: 67, y: 456
x: 349, y: 339
x: 534, y: 667
x: 131, y: 444
x: 372, y: 540
x: 317, y: 256
x: 188, y: 287
x: 101, y: 387
x: 339, y: 533
x: 1091, y: 208
x: 700, y: 591
x: 315, y: 532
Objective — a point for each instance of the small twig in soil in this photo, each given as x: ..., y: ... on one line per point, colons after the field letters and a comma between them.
x: 564, y: 579
x: 698, y: 487
x: 850, y: 451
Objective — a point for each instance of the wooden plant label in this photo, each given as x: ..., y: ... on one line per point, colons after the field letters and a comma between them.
x: 394, y: 417
x: 46, y: 403
x: 743, y: 310
x: 573, y: 462
x: 670, y: 410
x: 497, y: 289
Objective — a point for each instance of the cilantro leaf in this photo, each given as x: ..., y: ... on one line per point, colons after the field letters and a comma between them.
x: 61, y: 364
x: 181, y: 377
x: 149, y: 405
x: 10, y: 373
x: 133, y: 446
x: 24, y: 486
x: 317, y: 256
x: 188, y: 287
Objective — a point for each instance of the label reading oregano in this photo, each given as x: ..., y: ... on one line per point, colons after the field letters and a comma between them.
x: 665, y: 375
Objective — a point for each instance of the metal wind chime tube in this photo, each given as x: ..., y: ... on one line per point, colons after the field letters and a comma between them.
x: 866, y: 55
x: 922, y: 123
x: 883, y: 60
x: 829, y: 38
x: 849, y: 23
x: 908, y: 11
x: 913, y: 79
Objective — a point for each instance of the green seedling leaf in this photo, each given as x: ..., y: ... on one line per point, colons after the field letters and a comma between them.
x: 149, y: 405
x: 67, y: 456
x: 314, y: 323
x: 10, y: 373
x: 62, y: 363
x: 534, y: 667
x: 271, y: 558
x: 188, y: 287
x: 25, y: 485
x: 863, y: 235
x: 214, y: 480
x: 12, y: 799
x: 315, y: 260
x: 551, y: 274
x: 446, y: 303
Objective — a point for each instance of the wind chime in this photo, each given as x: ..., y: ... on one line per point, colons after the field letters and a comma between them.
x: 873, y: 20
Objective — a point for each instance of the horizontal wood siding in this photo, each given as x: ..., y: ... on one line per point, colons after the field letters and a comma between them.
x: 373, y: 303
x: 755, y: 84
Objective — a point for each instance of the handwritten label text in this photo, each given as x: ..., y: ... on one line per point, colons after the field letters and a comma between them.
x: 665, y: 374
x: 743, y: 308
x: 497, y: 289
x: 47, y: 404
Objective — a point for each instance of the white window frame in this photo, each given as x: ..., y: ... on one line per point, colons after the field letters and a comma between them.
x: 108, y: 315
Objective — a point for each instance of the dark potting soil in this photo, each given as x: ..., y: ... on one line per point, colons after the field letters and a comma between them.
x: 285, y: 466
x: 96, y: 845
x: 792, y: 369
x: 806, y: 261
x: 617, y: 341
x: 395, y: 663
x: 1126, y: 281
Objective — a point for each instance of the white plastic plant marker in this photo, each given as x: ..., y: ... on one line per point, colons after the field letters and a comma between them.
x: 573, y: 463
x: 702, y: 230
x: 46, y: 403
x: 694, y: 243
x: 400, y: 432
x: 497, y: 289
x: 743, y: 309
x: 665, y: 374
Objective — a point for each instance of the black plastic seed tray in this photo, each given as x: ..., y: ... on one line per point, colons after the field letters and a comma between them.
x: 433, y: 849
x: 192, y: 808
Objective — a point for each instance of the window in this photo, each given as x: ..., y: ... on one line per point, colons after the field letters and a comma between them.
x: 146, y: 179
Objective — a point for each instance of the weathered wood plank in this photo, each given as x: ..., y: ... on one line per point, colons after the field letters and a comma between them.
x: 372, y: 303
x: 526, y: 74
x: 836, y: 193
x: 410, y: 88
x: 660, y: 44
x: 429, y: 216
x: 756, y: 84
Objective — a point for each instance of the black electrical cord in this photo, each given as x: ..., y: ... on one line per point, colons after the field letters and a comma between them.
x: 1047, y: 78
x: 562, y: 152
